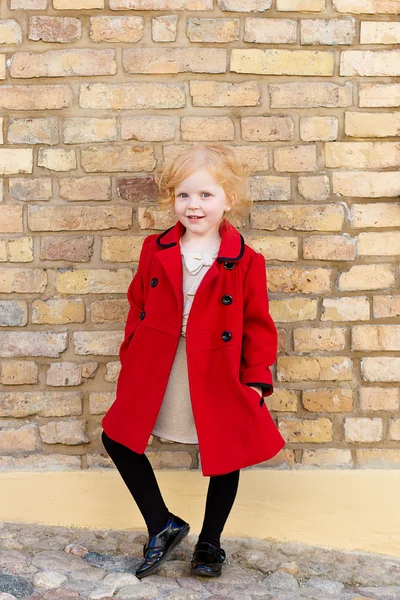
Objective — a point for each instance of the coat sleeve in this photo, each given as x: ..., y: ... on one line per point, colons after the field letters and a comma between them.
x: 135, y: 295
x: 260, y: 336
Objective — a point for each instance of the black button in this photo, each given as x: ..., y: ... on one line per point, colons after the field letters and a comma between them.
x: 227, y: 299
x: 154, y: 282
x: 226, y: 336
x: 142, y: 315
x: 229, y: 265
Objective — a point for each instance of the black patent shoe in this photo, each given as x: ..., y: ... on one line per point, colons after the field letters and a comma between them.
x: 159, y: 546
x: 207, y: 560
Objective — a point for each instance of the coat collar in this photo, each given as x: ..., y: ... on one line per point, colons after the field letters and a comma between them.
x: 231, y: 248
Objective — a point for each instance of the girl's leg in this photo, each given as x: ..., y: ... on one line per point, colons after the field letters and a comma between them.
x: 220, y: 498
x: 138, y: 475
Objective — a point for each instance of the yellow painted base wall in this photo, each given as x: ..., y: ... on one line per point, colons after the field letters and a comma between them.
x: 344, y: 509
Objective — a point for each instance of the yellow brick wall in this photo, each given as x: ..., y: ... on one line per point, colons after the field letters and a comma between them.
x: 93, y: 95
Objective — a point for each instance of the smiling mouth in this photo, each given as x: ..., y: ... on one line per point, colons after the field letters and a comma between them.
x: 194, y: 218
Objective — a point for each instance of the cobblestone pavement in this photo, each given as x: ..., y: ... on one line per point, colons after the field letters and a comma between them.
x: 57, y: 563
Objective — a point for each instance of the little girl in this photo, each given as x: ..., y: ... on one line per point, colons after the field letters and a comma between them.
x: 198, y: 344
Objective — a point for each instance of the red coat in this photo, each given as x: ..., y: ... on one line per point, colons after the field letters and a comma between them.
x: 231, y: 341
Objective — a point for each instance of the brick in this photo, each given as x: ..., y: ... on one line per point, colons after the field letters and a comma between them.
x: 100, y: 343
x: 56, y: 311
x: 40, y: 462
x: 282, y: 62
x: 13, y: 313
x: 148, y: 129
x: 328, y: 400
x: 314, y: 187
x: 275, y: 247
x: 283, y: 400
x: 386, y: 306
x: 370, y: 63
x: 57, y: 159
x: 314, y: 129
x: 362, y: 155
x: 311, y: 94
x: 130, y: 96
x: 291, y: 310
x: 265, y: 187
x: 22, y: 439
x: 77, y: 4
x: 116, y: 29
x: 109, y: 311
x: 16, y: 160
x: 267, y: 129
x: 378, y: 32
x: 78, y: 218
x: 362, y: 429
x: 20, y: 249
x: 75, y: 249
x: 117, y: 158
x: 327, y: 457
x: 19, y: 372
x: 164, y: 28
x: 270, y: 31
x: 137, y: 189
x: 316, y: 368
x: 376, y: 398
x: 394, y: 430
x: 352, y: 308
x: 22, y: 280
x: 379, y: 94
x: 375, y: 337
x: 11, y: 219
x: 299, y: 217
x: 311, y: 339
x: 112, y: 371
x: 169, y: 460
x: 295, y: 158
x: 32, y: 343
x: 153, y: 217
x: 79, y: 189
x: 100, y: 402
x: 367, y: 6
x: 298, y: 431
x: 42, y: 404
x: 223, y: 93
x: 64, y: 432
x: 381, y: 368
x: 27, y: 4
x: 33, y: 131
x: 64, y: 374
x: 375, y: 215
x: 63, y: 30
x: 378, y: 244
x: 207, y: 129
x: 2, y: 66
x: 377, y: 458
x: 121, y: 248
x: 93, y: 281
x: 299, y: 280
x: 63, y: 63
x: 87, y: 130
x: 161, y: 4
x: 37, y: 188
x: 10, y: 32
x: 301, y: 5
x: 244, y: 6
x: 328, y: 32
x: 376, y: 124
x: 35, y: 97
x: 329, y: 247
x: 174, y: 60
x: 372, y: 184
x: 367, y: 277
x: 219, y: 31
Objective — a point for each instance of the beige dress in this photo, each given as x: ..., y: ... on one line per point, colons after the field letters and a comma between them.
x: 175, y: 420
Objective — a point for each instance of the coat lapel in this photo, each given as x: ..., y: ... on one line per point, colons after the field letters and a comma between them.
x: 231, y: 250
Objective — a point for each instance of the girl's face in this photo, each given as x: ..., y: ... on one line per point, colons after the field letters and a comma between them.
x: 200, y: 196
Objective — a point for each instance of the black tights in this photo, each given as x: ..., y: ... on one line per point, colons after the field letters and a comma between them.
x: 138, y: 475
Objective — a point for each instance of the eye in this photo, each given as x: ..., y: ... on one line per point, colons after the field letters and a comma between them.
x: 207, y: 193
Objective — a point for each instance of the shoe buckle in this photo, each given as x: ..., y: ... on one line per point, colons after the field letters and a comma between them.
x: 220, y: 555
